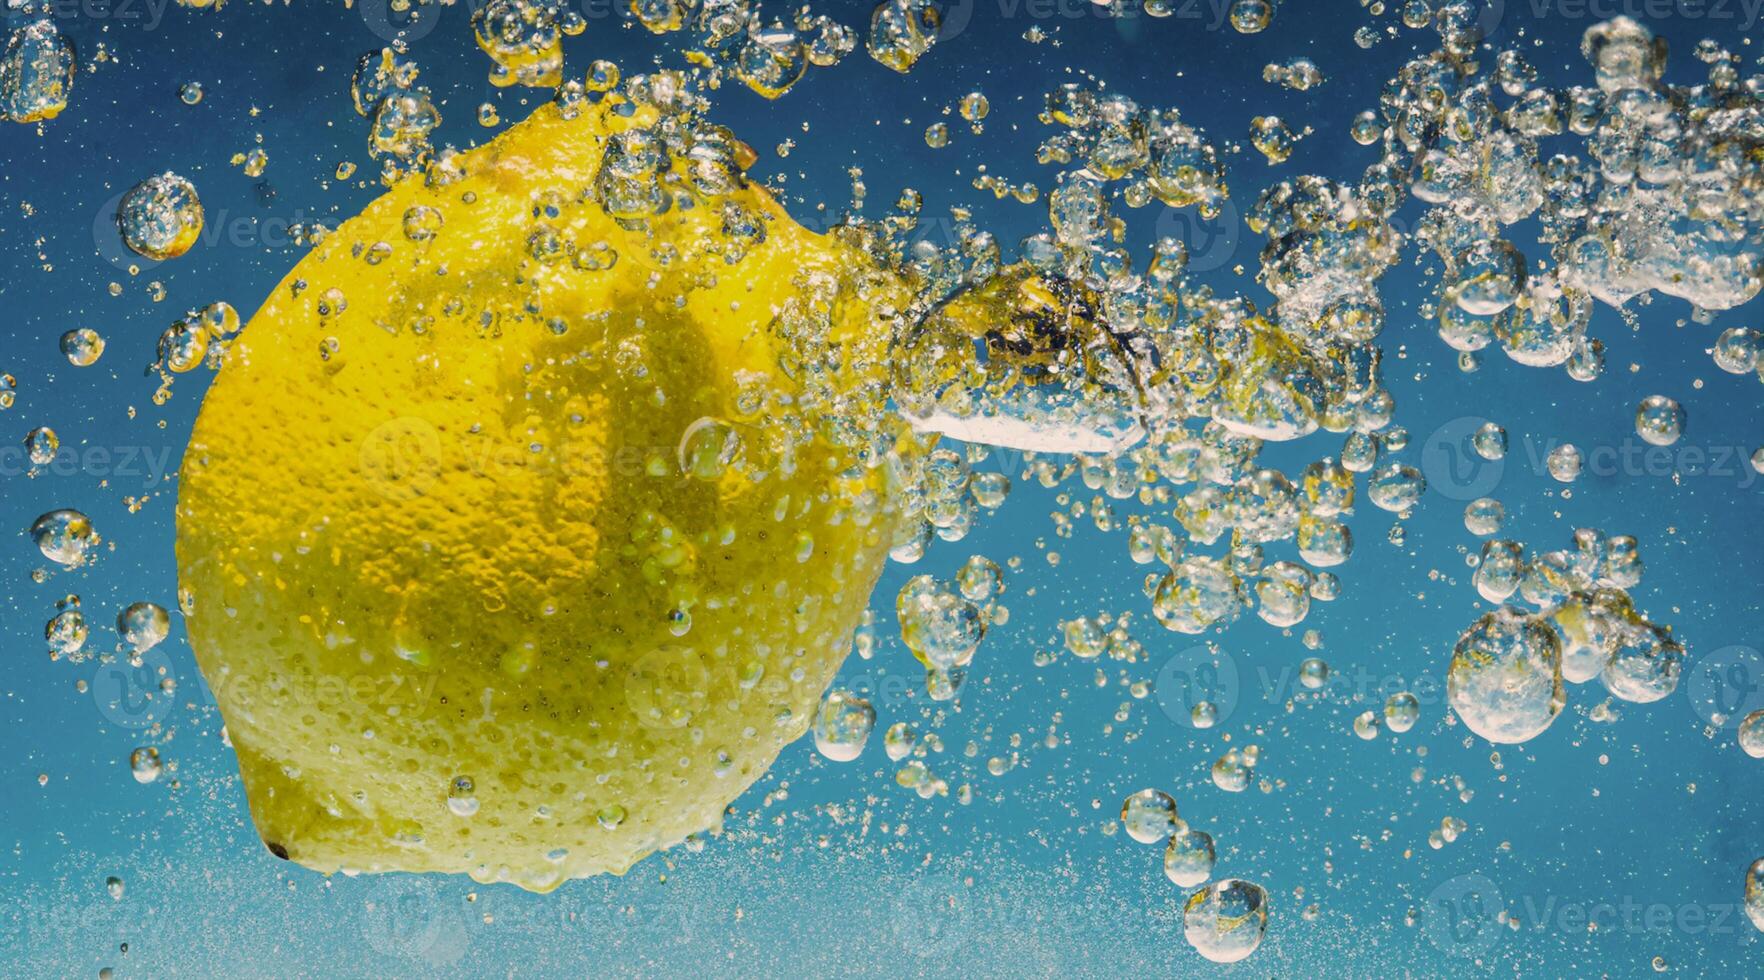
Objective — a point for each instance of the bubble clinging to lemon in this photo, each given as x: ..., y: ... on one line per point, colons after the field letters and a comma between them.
x: 530, y: 516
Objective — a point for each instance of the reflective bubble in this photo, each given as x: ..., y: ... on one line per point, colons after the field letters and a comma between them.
x: 82, y: 346
x: 1188, y: 858
x: 1366, y: 725
x: 1754, y: 894
x: 1150, y: 816
x: 1645, y: 665
x: 1490, y: 441
x: 1225, y: 920
x: 1401, y: 711
x: 67, y: 632
x: 899, y: 740
x: 1491, y: 275
x: 1751, y: 734
x: 462, y: 798
x: 65, y: 537
x: 1564, y: 463
x: 1590, y: 626
x: 1483, y: 516
x: 1505, y: 678
x: 160, y: 218
x: 1659, y: 420
x: 37, y: 70
x: 40, y: 445
x: 842, y: 725
x: 144, y: 764
x: 1397, y: 487
x: 143, y: 625
x: 1233, y: 770
x: 979, y: 578
x: 940, y: 626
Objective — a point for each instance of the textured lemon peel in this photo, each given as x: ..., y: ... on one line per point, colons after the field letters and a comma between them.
x: 476, y: 528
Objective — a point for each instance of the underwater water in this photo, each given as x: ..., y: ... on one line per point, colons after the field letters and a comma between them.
x: 1608, y: 831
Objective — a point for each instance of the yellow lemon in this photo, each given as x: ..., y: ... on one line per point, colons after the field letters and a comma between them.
x: 530, y: 516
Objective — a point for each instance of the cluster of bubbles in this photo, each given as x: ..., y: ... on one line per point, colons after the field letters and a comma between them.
x: 1298, y: 74
x: 1066, y: 337
x: 524, y: 39
x: 1224, y: 921
x: 1233, y: 771
x: 1166, y: 391
x: 1153, y: 378
x: 901, y: 31
x: 1665, y: 199
x: 942, y: 624
x: 1401, y: 711
x: 142, y: 626
x: 904, y: 744
x: 198, y: 337
x: 1073, y: 349
x: 973, y: 108
x: 66, y: 632
x: 1507, y: 670
x: 1272, y: 138
x: 401, y: 112
x: 36, y: 72
x: 733, y: 39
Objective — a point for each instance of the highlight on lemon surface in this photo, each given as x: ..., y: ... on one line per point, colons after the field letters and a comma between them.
x: 530, y: 516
